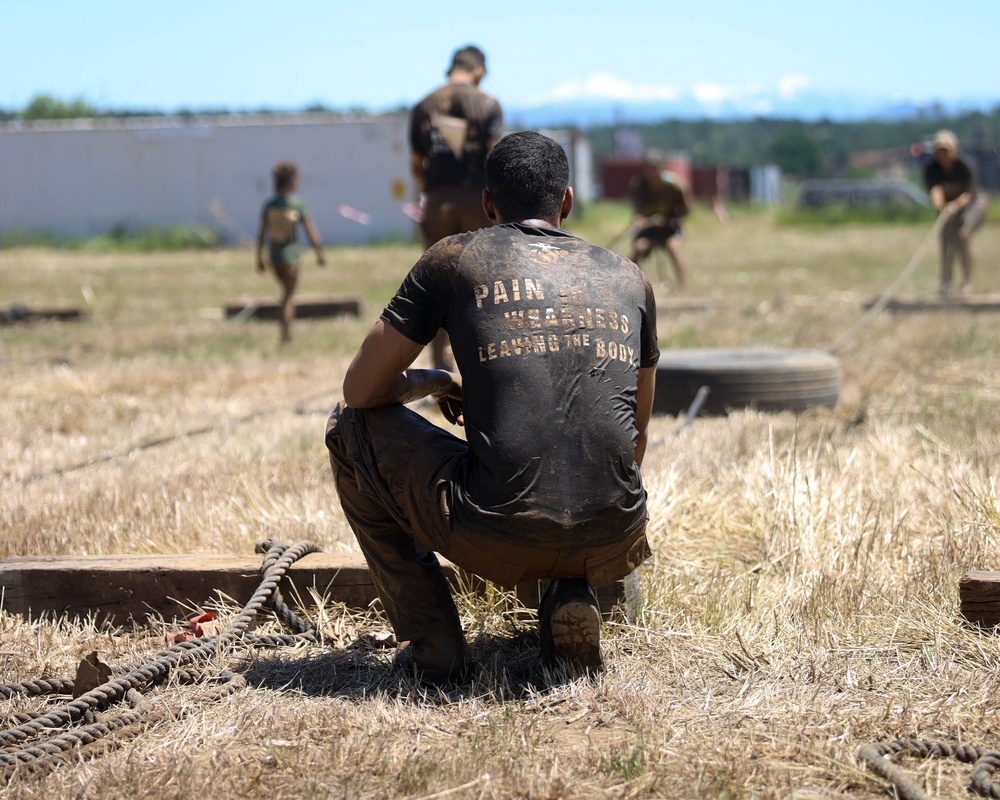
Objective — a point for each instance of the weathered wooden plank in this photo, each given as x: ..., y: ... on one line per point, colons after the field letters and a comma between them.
x: 119, y: 588
x: 16, y: 313
x: 979, y: 597
x: 305, y: 308
x: 128, y: 588
x: 966, y: 303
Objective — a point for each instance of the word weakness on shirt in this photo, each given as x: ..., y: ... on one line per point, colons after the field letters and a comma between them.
x: 541, y: 329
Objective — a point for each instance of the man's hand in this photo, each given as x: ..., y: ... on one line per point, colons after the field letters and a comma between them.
x: 956, y: 205
x: 320, y: 258
x: 449, y: 400
x: 260, y: 264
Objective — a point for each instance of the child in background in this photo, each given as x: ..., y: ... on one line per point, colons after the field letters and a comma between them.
x: 279, y: 222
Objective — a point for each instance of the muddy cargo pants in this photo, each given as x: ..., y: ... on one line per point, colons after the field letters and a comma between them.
x: 394, y: 470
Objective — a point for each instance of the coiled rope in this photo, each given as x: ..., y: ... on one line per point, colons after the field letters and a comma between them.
x: 876, y: 758
x: 31, y: 745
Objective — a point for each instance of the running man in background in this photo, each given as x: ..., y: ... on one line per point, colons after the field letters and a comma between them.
x: 451, y: 131
x: 951, y: 182
x: 659, y: 204
x: 279, y: 224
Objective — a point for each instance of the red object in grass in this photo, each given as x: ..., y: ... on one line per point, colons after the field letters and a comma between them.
x: 195, y: 624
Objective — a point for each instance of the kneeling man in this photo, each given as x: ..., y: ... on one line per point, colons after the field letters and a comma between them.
x: 555, y: 343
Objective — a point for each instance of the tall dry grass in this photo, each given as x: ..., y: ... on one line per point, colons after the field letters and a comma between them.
x: 802, y: 599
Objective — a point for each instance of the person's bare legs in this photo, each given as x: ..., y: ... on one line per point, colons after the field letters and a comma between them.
x: 641, y: 249
x: 288, y: 277
x: 680, y: 268
x: 965, y: 259
x: 973, y: 217
x: 948, y: 246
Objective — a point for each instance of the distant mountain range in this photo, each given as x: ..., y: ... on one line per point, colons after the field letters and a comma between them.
x: 806, y: 105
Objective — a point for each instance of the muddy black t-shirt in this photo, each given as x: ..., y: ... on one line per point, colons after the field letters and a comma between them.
x: 657, y: 197
x: 549, y: 333
x: 452, y: 129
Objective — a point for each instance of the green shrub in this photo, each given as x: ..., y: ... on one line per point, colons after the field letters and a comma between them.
x: 120, y: 238
x: 842, y: 214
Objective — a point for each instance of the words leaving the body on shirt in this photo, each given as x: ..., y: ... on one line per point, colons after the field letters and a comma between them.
x: 537, y: 328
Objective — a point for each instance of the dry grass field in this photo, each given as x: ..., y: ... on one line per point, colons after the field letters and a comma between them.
x: 802, y: 600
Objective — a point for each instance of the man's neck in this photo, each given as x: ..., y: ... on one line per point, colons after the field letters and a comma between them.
x: 462, y: 76
x: 534, y: 222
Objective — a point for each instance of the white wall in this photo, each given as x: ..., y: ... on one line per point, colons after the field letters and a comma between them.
x: 84, y: 177
x: 581, y: 162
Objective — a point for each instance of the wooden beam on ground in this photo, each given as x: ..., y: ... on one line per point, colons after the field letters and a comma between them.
x: 17, y: 314
x: 305, y: 308
x: 971, y: 303
x: 118, y: 589
x: 121, y: 589
x: 979, y: 597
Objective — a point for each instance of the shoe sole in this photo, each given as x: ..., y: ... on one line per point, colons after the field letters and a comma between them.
x: 576, y: 635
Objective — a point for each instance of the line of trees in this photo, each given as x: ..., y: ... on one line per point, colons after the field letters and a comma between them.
x: 802, y: 149
x: 47, y: 107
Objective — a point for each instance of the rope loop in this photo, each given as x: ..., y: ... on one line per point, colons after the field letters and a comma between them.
x: 876, y: 757
x: 31, y: 746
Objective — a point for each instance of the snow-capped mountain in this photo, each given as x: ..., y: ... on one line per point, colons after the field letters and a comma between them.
x: 585, y: 109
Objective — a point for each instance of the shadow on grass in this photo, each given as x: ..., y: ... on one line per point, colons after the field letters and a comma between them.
x: 506, y: 668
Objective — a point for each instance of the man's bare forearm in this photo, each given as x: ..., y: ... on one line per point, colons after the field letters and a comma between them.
x: 415, y: 384
x: 411, y: 385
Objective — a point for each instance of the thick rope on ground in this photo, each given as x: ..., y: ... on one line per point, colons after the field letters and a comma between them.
x: 877, y: 758
x: 289, y: 618
x: 186, y: 660
x: 37, y: 687
x: 91, y: 739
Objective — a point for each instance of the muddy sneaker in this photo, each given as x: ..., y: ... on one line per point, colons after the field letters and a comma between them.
x: 569, y: 624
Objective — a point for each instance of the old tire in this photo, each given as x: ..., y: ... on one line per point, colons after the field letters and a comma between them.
x: 768, y: 379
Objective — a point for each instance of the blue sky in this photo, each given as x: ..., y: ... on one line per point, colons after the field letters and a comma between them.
x: 377, y: 55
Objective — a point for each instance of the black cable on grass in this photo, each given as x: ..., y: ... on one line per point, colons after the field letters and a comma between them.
x: 158, y: 441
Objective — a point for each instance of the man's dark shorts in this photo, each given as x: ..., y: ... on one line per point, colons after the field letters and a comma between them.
x: 452, y: 209
x: 657, y: 235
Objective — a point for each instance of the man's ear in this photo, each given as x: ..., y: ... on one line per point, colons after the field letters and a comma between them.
x: 489, y: 207
x: 567, y: 203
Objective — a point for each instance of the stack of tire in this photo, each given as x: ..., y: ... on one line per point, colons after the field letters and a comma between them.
x: 763, y: 378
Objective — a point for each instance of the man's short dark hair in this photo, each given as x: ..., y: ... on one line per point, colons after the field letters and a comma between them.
x: 284, y: 174
x: 527, y: 175
x: 470, y: 58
